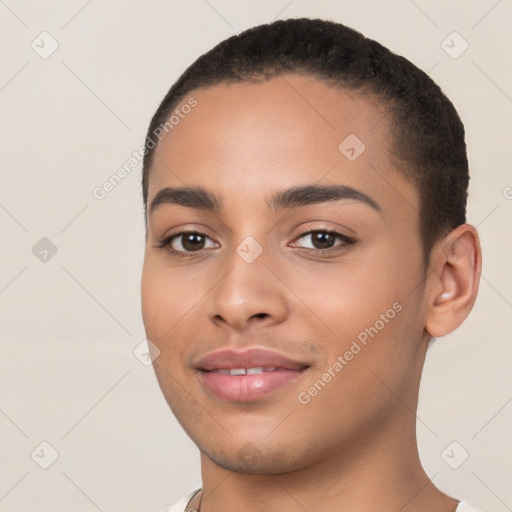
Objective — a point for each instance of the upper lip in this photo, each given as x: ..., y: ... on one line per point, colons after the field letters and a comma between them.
x: 248, y: 358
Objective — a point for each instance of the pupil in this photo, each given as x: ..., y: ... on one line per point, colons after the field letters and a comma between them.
x: 322, y: 240
x: 193, y: 242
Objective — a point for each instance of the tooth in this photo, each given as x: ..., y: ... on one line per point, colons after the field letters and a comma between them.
x: 245, y: 371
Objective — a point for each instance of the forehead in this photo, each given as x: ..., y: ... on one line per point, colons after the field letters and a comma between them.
x: 263, y: 136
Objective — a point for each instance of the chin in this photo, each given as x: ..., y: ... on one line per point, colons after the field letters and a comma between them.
x: 269, y: 460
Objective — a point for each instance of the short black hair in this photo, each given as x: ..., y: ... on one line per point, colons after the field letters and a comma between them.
x: 427, y: 143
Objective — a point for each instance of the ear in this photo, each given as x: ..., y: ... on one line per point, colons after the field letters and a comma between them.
x: 456, y: 262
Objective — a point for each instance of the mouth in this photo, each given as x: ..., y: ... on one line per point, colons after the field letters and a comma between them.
x: 247, y: 376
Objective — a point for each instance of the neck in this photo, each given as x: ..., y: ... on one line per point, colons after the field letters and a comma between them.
x: 359, y: 476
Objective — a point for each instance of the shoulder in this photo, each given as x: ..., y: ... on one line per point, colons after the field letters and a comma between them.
x: 466, y: 507
x: 181, y: 505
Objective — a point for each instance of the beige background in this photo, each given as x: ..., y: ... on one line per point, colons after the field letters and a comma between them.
x: 69, y: 324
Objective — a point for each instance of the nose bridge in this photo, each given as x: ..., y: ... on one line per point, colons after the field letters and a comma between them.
x: 247, y: 291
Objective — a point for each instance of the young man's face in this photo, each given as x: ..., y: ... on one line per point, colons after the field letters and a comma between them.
x: 345, y: 314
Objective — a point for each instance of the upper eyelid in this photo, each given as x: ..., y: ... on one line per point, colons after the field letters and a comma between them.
x: 322, y: 230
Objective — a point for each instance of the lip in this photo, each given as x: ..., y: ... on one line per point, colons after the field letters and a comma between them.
x: 247, y: 388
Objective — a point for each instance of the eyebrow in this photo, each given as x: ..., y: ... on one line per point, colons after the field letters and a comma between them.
x: 294, y: 197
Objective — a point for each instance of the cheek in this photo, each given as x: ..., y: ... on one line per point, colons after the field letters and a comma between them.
x: 171, y: 304
x: 160, y: 312
x: 166, y: 296
x: 372, y: 361
x: 151, y: 292
x: 365, y: 313
x: 345, y: 298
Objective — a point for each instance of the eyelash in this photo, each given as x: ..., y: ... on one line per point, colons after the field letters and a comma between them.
x: 347, y: 242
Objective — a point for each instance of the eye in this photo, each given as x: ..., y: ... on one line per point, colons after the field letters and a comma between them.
x: 186, y: 242
x: 324, y: 240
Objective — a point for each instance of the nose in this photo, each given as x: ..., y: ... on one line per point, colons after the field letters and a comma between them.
x: 248, y: 295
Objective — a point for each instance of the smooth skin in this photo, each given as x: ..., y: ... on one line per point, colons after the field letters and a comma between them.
x: 353, y: 446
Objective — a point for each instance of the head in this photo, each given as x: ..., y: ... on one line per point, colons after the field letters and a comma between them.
x: 324, y: 180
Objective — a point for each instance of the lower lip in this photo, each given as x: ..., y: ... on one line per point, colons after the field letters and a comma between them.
x: 247, y: 388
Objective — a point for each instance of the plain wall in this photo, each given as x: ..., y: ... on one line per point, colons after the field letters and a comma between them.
x: 69, y: 324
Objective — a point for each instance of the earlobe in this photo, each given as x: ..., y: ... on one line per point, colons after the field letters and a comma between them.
x: 454, y: 279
